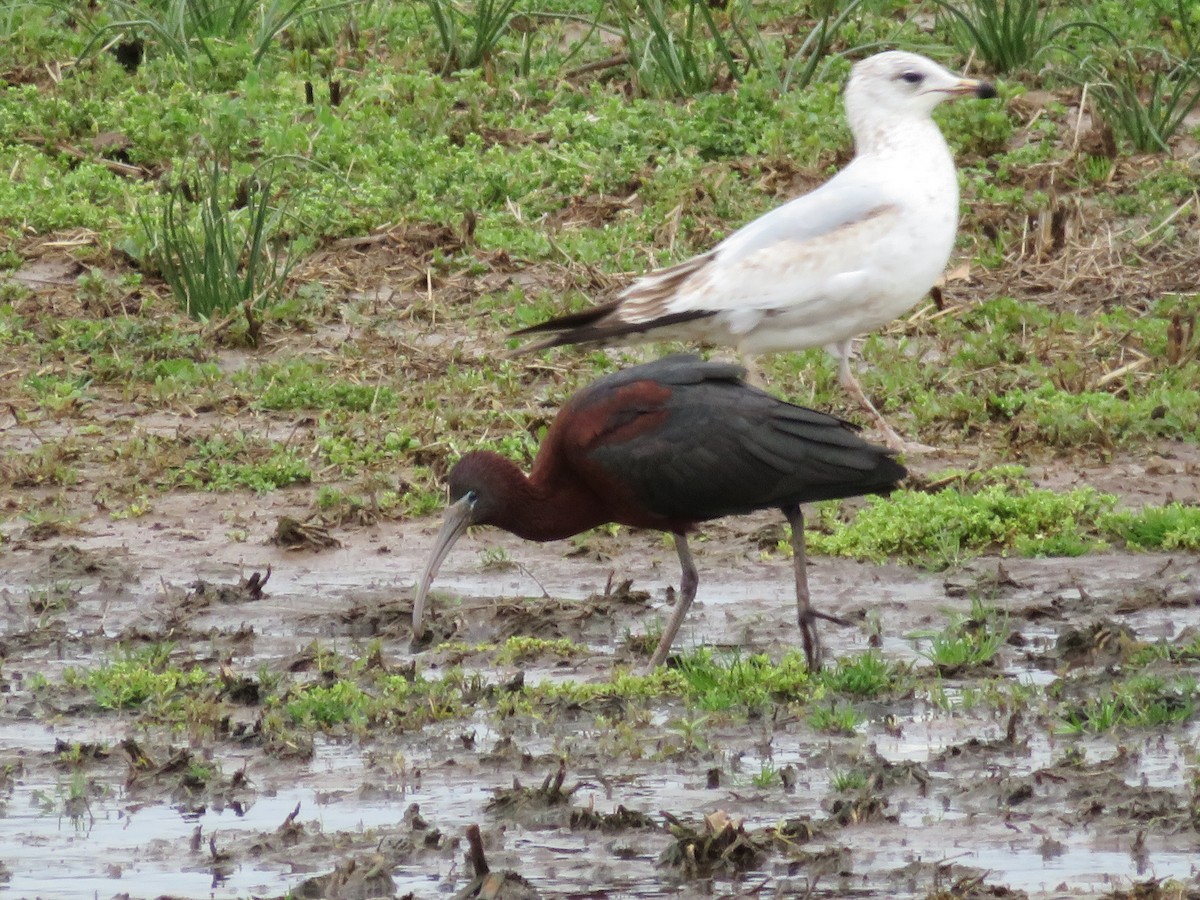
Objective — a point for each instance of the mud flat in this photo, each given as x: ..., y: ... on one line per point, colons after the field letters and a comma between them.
x: 965, y: 783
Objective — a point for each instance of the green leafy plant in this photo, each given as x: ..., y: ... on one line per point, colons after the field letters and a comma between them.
x: 225, y: 463
x: 835, y: 719
x: 338, y: 703
x: 1007, y: 34
x: 753, y: 682
x: 215, y: 257
x: 766, y: 776
x: 802, y: 67
x: 468, y: 39
x: 1147, y: 98
x: 851, y: 780
x: 865, y: 675
x: 968, y: 642
x: 943, y: 528
x: 1142, y: 701
x: 520, y: 649
x: 139, y: 677
x: 181, y: 25
x: 1170, y: 527
x: 668, y: 60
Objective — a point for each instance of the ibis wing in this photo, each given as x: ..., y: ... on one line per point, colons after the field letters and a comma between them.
x: 718, y: 447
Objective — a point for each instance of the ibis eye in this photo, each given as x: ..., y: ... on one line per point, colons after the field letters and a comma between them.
x: 913, y: 77
x: 472, y: 497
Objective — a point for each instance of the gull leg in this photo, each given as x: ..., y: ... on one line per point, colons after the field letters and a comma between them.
x: 854, y: 389
x: 806, y: 616
x: 754, y: 375
x: 689, y: 579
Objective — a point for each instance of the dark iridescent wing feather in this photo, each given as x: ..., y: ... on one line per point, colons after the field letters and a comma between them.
x: 707, y: 445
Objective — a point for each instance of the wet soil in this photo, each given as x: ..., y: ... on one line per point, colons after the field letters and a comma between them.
x: 972, y: 787
x: 962, y: 800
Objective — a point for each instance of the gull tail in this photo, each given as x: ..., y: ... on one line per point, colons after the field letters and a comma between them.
x: 573, y: 328
x: 641, y: 309
x: 600, y: 326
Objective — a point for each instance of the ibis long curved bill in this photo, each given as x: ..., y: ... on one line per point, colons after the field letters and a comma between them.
x: 459, y: 517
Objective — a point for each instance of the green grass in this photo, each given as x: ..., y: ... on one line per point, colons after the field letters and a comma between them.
x: 1186, y: 649
x: 767, y: 776
x: 139, y: 678
x: 866, y: 675
x: 842, y: 720
x: 214, y: 243
x: 1012, y: 34
x: 946, y: 527
x: 1140, y: 701
x: 299, y: 384
x: 229, y: 462
x: 717, y: 684
x: 848, y: 781
x: 968, y: 642
x: 1170, y: 527
x: 1148, y: 110
x: 468, y: 37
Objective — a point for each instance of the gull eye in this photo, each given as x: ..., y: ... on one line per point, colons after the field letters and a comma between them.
x: 913, y: 77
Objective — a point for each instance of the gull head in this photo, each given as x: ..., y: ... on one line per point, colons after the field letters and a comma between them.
x: 903, y: 85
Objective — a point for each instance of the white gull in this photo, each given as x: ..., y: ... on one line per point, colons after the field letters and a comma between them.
x: 842, y: 260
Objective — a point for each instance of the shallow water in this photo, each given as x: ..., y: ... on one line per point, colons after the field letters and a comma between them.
x: 353, y: 795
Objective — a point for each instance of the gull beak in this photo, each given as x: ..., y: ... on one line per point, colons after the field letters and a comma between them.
x: 458, y: 518
x: 984, y: 90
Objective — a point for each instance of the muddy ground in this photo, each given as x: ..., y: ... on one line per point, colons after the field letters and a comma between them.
x: 974, y: 787
x: 974, y: 801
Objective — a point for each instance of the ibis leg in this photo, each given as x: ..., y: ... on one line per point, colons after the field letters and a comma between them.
x: 854, y: 389
x: 806, y: 616
x: 689, y: 579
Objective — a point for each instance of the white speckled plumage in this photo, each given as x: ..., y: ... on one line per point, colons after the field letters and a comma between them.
x: 842, y: 260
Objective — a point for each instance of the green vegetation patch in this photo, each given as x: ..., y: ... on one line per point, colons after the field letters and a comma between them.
x: 943, y: 528
x: 998, y: 512
x: 968, y: 642
x: 1170, y: 527
x: 491, y: 166
x: 300, y: 384
x: 140, y: 678
x: 228, y: 462
x: 1143, y: 700
x: 717, y: 682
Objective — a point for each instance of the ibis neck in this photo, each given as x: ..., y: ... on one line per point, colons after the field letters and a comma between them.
x: 538, y: 511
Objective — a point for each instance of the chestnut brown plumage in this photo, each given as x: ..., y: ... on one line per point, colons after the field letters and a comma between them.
x: 667, y: 445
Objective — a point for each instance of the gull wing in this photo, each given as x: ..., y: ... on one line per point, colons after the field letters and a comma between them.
x: 805, y: 258
x: 817, y: 247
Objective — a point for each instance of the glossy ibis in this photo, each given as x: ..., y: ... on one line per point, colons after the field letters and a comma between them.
x: 846, y: 258
x: 667, y: 445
